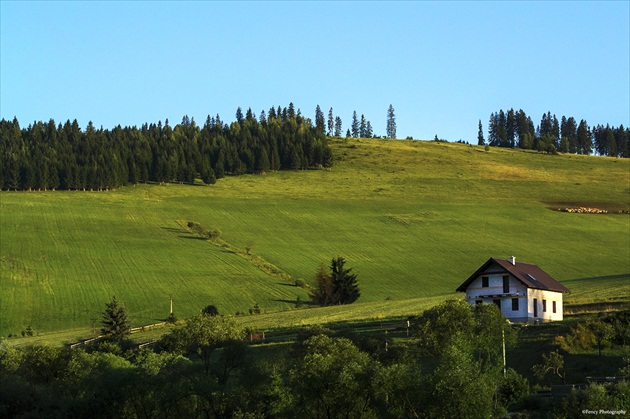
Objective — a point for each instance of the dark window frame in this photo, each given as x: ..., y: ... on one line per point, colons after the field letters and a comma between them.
x: 506, y: 284
x: 514, y: 304
x: 485, y: 282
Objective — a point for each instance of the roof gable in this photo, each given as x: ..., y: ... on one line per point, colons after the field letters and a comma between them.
x: 529, y: 275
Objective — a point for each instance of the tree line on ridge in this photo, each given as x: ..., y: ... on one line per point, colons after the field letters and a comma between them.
x: 516, y: 129
x: 50, y: 156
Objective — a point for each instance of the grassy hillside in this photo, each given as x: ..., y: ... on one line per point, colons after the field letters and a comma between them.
x: 413, y: 219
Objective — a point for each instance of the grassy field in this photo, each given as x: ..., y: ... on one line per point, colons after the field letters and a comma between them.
x: 413, y: 219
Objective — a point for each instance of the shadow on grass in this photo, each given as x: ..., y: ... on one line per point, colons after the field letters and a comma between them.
x: 601, y: 278
x: 302, y: 303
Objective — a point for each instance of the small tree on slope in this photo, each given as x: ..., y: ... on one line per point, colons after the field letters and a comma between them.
x: 115, y: 322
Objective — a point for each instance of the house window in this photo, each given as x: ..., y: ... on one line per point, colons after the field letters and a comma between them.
x: 514, y: 304
x: 506, y: 284
x: 484, y: 282
x: 498, y: 303
x: 544, y: 306
x: 553, y: 306
x: 478, y: 301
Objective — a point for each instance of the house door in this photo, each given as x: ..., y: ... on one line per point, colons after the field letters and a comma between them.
x: 535, y: 307
x: 498, y: 303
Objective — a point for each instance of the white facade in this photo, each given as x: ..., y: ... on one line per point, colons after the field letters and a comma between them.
x: 517, y: 302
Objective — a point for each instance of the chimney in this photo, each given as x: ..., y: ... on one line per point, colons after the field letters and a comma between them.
x: 513, y: 260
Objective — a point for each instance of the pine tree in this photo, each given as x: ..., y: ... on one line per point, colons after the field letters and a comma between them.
x: 115, y: 323
x: 584, y: 142
x: 369, y: 133
x: 480, y: 140
x: 345, y: 287
x: 391, y: 122
x: 331, y: 122
x: 362, y: 127
x: 355, y: 125
x: 320, y: 123
x: 338, y: 126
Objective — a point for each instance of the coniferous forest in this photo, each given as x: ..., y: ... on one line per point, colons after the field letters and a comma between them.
x: 50, y: 156
x: 516, y: 129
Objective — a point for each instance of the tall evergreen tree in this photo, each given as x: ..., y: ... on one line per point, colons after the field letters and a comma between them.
x: 510, y: 128
x: 331, y: 123
x: 320, y: 122
x: 338, y: 126
x: 115, y: 322
x: 369, y: 133
x: 355, y: 125
x: 492, y: 130
x: 362, y: 127
x: 345, y: 286
x: 584, y: 142
x: 480, y: 140
x: 391, y: 122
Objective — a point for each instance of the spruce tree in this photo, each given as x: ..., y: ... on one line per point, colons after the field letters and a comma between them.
x: 320, y: 123
x: 391, y: 122
x: 115, y: 322
x: 331, y: 122
x: 345, y: 287
x: 480, y: 140
x: 338, y: 126
x: 355, y: 125
x: 362, y: 127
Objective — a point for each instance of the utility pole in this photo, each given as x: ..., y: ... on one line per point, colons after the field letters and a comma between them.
x: 503, y: 341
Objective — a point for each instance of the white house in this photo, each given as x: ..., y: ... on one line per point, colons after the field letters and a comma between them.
x: 523, y: 292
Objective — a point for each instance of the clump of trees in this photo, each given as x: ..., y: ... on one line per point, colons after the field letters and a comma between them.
x: 50, y: 156
x: 338, y: 285
x: 516, y: 129
x: 201, y: 231
x: 609, y: 330
x: 450, y: 367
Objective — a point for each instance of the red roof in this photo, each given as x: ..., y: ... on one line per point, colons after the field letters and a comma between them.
x: 530, y: 275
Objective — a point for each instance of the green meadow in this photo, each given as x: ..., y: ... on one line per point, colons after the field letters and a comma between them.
x: 413, y: 219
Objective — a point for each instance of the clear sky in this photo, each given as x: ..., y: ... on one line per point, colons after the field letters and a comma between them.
x: 442, y: 65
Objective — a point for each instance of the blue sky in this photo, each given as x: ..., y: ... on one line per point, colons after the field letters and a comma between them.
x: 442, y: 65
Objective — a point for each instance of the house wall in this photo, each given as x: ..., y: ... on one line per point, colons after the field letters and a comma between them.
x: 550, y: 297
x: 525, y: 313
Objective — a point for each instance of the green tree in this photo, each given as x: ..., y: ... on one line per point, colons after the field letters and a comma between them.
x: 338, y: 126
x: 322, y: 294
x: 320, y: 122
x: 602, y: 331
x: 553, y: 363
x: 362, y: 127
x: 369, y: 133
x: 480, y: 139
x: 210, y: 310
x: 345, y: 287
x: 355, y: 125
x: 115, y: 323
x: 202, y: 335
x: 391, y: 122
x: 331, y: 122
x: 331, y: 380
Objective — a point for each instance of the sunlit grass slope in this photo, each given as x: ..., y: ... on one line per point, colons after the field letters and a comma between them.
x: 413, y: 219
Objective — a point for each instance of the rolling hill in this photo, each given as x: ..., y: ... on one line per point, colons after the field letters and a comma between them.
x: 412, y: 218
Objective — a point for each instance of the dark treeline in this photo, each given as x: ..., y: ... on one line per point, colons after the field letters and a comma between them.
x: 450, y: 367
x: 516, y: 129
x: 49, y: 156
